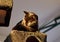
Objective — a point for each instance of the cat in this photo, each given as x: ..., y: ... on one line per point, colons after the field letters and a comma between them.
x: 28, y: 23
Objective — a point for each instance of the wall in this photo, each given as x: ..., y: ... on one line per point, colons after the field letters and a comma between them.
x: 45, y: 9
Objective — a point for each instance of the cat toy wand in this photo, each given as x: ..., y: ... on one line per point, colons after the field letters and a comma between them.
x: 51, y: 26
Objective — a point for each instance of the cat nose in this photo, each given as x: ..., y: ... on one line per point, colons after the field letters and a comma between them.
x: 26, y: 12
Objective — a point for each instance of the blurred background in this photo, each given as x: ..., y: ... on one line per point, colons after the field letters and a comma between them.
x: 45, y: 9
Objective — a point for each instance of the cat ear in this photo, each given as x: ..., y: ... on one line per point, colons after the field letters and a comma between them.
x: 26, y: 12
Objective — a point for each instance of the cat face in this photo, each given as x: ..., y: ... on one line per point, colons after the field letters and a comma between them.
x: 30, y: 18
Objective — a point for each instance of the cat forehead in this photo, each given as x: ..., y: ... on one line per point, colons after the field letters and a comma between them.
x: 31, y: 13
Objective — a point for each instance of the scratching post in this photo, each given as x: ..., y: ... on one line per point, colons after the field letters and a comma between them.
x: 21, y: 36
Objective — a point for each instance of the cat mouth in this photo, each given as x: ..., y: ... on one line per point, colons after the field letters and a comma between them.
x: 31, y: 23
